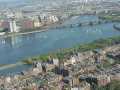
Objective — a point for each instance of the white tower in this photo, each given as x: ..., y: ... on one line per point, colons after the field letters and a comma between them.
x: 84, y: 2
x: 13, y: 27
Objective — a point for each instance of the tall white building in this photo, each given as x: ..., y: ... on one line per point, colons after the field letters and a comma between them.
x: 13, y: 27
x: 12, y: 22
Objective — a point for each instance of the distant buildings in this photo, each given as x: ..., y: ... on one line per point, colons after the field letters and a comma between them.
x: 37, y: 21
x: 16, y: 21
x: 27, y: 24
x: 9, y: 25
x: 53, y: 19
x: 4, y: 24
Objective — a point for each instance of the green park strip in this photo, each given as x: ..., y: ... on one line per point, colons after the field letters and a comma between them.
x: 110, y: 18
x: 63, y: 54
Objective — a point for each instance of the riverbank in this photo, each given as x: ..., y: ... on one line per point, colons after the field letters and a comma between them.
x: 45, y: 28
x: 24, y: 33
x: 66, y: 53
x: 62, y: 54
x: 2, y: 67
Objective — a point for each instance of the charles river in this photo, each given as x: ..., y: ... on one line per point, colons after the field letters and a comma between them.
x: 16, y: 48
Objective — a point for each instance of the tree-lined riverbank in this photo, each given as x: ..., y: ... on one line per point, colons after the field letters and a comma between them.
x: 63, y: 54
x: 19, y: 47
x: 66, y: 53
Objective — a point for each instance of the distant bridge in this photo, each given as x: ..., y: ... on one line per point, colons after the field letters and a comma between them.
x: 81, y: 24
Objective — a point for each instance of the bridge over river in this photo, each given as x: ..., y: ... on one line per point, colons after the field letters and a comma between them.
x: 83, y: 24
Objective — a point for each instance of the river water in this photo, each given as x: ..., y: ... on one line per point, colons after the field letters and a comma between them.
x: 16, y: 48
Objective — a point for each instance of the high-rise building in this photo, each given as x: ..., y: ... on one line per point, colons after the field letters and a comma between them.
x: 13, y: 27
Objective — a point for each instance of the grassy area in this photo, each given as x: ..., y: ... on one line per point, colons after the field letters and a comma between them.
x: 62, y: 54
x: 110, y: 18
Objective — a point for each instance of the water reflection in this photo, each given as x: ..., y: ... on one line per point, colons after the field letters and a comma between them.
x: 16, y: 41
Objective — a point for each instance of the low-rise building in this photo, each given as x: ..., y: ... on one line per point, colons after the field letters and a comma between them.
x: 27, y: 24
x: 82, y: 86
x: 103, y: 80
x: 53, y: 19
x: 37, y: 24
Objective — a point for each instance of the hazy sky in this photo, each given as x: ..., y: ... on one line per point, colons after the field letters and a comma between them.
x: 24, y: 0
x: 8, y: 0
